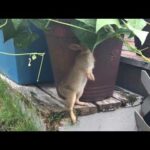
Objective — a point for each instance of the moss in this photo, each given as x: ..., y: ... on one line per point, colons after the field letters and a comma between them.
x: 55, y: 119
x: 11, y: 116
x: 131, y: 99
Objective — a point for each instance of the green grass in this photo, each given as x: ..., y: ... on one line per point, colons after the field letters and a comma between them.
x: 11, y: 116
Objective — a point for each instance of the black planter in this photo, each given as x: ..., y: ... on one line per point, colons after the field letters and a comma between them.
x: 129, y: 75
x: 147, y: 42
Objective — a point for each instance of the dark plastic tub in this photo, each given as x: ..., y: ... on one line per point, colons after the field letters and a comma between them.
x: 129, y: 74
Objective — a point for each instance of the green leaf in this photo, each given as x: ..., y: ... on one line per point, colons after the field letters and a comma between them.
x: 16, y: 22
x: 8, y: 30
x: 40, y: 23
x: 137, y: 23
x: 24, y: 39
x: 103, y: 35
x: 74, y: 24
x: 131, y: 35
x: 100, y: 23
x: 88, y: 22
x: 86, y: 38
x: 34, y: 57
x: 141, y: 35
x: 90, y: 32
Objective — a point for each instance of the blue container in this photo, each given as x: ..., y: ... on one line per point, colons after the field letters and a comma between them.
x: 16, y: 67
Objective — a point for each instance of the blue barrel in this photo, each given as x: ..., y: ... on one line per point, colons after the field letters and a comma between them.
x: 16, y: 67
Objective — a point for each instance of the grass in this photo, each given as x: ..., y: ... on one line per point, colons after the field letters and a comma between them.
x: 11, y: 116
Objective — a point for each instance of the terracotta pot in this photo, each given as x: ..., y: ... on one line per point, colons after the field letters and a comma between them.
x: 107, y: 57
x: 147, y: 42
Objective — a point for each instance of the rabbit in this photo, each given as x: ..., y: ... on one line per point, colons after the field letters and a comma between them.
x: 72, y: 87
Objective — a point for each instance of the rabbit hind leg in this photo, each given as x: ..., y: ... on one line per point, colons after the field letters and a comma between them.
x: 71, y: 98
x: 78, y: 102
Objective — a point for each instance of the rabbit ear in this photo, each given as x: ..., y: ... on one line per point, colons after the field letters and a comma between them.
x: 75, y: 47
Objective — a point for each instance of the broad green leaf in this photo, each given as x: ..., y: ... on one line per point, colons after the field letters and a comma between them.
x: 90, y: 32
x: 137, y: 23
x: 102, y: 35
x: 40, y: 23
x: 24, y: 40
x: 123, y: 31
x: 74, y: 24
x: 84, y: 26
x: 131, y: 35
x: 8, y: 31
x: 86, y: 38
x: 17, y: 22
x: 88, y: 22
x: 100, y: 23
x: 142, y: 35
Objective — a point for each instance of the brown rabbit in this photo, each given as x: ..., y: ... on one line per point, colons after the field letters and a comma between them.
x: 71, y: 88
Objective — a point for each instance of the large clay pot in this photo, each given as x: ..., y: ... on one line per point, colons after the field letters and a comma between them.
x: 107, y: 57
x: 146, y: 43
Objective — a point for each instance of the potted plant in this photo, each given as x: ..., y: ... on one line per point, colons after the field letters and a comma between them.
x: 23, y: 56
x: 104, y: 37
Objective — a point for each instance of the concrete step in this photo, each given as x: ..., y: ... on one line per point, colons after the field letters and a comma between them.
x: 50, y: 108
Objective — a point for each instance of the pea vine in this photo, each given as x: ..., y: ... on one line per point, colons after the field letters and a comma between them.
x: 32, y: 56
